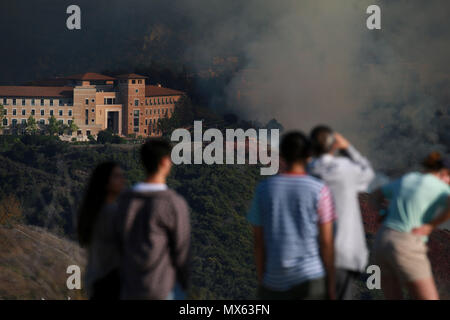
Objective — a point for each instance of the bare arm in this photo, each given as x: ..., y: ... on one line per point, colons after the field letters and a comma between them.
x: 427, y: 228
x: 260, y: 253
x: 327, y: 255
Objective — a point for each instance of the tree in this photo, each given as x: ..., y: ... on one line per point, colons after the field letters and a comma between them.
x: 274, y: 124
x: 72, y: 126
x: 10, y: 210
x: 107, y: 136
x: 31, y: 126
x: 52, y: 126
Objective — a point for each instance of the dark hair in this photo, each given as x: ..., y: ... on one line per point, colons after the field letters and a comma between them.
x: 152, y: 152
x: 294, y: 147
x: 435, y: 162
x: 321, y: 140
x: 94, y: 199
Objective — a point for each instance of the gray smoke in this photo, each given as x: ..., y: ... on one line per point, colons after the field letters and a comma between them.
x: 387, y: 90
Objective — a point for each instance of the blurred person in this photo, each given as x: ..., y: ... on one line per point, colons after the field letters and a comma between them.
x: 416, y: 204
x: 347, y: 173
x: 96, y: 230
x: 154, y: 230
x: 292, y: 215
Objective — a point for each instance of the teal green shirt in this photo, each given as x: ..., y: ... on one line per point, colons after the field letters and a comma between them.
x: 414, y: 199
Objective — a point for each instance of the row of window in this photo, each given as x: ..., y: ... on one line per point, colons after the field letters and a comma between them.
x: 33, y: 112
x: 14, y: 122
x: 156, y: 101
x: 132, y: 81
x: 159, y: 111
x: 41, y: 102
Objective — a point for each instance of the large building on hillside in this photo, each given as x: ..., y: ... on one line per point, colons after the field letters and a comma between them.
x: 123, y: 104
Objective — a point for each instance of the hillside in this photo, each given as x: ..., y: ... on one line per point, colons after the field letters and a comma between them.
x: 47, y: 179
x: 33, y: 264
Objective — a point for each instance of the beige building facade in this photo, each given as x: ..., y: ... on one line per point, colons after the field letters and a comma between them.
x: 125, y: 104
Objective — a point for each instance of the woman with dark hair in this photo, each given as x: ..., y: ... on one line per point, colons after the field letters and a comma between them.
x: 96, y: 230
x: 416, y: 204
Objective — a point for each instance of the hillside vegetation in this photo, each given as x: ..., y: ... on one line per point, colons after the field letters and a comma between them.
x: 33, y: 264
x: 47, y: 178
x: 43, y: 178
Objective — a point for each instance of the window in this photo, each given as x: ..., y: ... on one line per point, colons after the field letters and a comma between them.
x: 87, y: 101
x: 88, y: 132
x: 42, y: 121
x: 136, y: 120
x: 69, y: 122
x: 87, y: 117
x: 33, y: 112
x: 146, y: 122
x: 137, y: 90
x: 5, y: 111
x: 70, y: 102
x: 33, y: 102
x: 5, y: 101
x: 14, y: 122
x: 51, y: 112
x: 24, y: 112
x: 110, y: 101
x: 5, y: 121
x: 150, y: 101
x: 93, y: 100
x: 61, y: 103
x: 70, y: 113
x: 51, y: 102
x: 24, y: 121
x: 42, y: 102
x: 133, y: 81
x: 14, y: 102
x: 150, y: 111
x: 14, y: 112
x: 42, y: 112
x: 92, y: 120
x: 136, y: 102
x: 60, y: 113
x: 23, y: 102
x: 139, y: 81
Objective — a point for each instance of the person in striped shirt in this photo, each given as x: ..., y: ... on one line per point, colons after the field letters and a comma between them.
x: 292, y: 216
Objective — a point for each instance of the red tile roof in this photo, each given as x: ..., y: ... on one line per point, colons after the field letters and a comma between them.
x: 89, y: 76
x: 155, y: 91
x: 131, y: 76
x: 34, y: 91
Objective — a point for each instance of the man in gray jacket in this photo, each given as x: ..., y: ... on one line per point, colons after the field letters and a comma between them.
x: 154, y: 231
x: 346, y: 174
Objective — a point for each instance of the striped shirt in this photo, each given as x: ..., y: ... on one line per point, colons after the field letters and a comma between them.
x: 290, y: 208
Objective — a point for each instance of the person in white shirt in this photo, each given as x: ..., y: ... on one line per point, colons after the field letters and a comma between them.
x: 347, y: 173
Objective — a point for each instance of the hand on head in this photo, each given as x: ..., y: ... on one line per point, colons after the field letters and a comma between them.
x: 340, y: 142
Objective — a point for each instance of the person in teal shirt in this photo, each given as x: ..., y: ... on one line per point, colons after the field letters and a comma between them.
x: 416, y: 204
